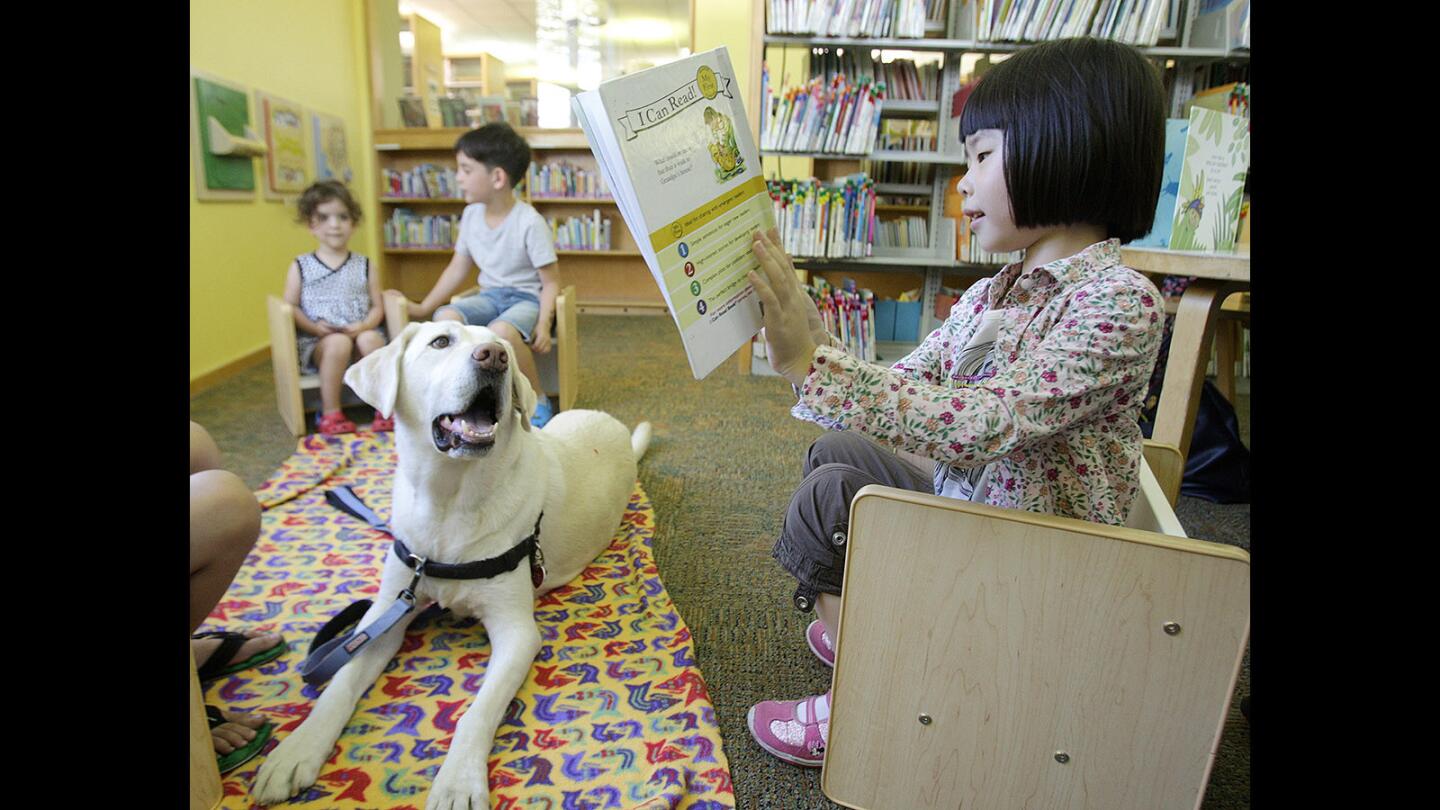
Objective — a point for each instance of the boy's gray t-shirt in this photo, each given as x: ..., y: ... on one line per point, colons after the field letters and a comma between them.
x: 508, y: 255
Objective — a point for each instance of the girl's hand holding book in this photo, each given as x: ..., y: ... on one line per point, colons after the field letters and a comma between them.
x: 792, y: 325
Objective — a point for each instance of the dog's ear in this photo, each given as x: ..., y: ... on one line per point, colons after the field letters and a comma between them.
x: 376, y: 377
x: 522, y: 396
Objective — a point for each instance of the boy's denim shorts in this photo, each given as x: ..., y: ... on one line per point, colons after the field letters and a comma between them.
x: 516, y: 307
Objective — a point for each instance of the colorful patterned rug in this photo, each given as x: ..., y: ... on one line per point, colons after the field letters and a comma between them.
x: 614, y: 714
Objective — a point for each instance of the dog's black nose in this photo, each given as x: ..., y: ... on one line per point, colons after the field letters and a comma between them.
x: 490, y: 356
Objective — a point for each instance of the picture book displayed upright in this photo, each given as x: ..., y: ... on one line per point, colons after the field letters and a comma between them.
x: 1159, y: 237
x: 676, y: 152
x: 1212, y: 182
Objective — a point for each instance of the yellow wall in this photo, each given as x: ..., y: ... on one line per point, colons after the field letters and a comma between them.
x: 313, y: 53
x: 716, y: 23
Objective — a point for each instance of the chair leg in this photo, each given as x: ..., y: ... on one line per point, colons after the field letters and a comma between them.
x: 566, y: 348
x: 205, y: 789
x: 1227, y: 343
x: 286, y: 366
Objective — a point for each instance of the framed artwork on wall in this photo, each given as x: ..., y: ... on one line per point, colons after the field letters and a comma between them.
x: 332, y: 157
x: 287, y: 159
x: 222, y: 142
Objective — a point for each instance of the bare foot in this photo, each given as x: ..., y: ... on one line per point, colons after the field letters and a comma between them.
x: 259, y: 642
x: 236, y: 732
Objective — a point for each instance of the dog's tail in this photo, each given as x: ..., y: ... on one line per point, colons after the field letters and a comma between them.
x: 640, y: 439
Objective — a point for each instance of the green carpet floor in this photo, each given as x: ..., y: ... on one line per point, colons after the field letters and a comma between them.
x: 720, y: 469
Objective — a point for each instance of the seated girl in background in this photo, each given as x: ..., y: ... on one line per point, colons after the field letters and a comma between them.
x: 1027, y: 396
x: 336, y: 298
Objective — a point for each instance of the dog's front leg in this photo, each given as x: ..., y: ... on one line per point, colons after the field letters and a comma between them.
x: 296, y: 761
x: 463, y: 780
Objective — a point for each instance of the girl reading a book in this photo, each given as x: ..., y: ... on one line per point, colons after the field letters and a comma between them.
x: 1027, y: 396
x: 336, y: 299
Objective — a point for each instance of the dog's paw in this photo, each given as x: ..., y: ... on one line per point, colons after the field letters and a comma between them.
x: 293, y: 766
x: 459, y: 789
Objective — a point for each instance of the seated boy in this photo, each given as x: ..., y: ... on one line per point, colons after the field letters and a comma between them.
x: 511, y: 243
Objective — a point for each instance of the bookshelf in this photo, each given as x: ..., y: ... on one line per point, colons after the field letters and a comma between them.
x: 613, y: 281
x: 891, y: 270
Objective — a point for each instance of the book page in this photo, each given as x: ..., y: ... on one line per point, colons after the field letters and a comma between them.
x: 675, y: 147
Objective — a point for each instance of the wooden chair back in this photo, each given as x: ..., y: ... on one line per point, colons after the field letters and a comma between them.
x: 998, y: 658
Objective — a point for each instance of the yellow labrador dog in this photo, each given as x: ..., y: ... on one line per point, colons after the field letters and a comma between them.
x: 471, y: 480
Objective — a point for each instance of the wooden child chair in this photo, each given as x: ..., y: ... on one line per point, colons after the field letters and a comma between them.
x: 999, y: 658
x: 297, y: 394
x: 558, y: 367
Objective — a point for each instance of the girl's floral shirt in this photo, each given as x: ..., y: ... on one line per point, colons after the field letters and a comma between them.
x: 1057, y: 411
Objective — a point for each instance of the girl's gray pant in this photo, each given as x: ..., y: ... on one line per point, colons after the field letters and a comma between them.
x: 813, y: 537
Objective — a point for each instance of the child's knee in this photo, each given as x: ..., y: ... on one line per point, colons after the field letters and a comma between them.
x: 204, y: 453
x: 227, y: 504
x: 506, y: 330
x: 369, y: 341
x: 335, y: 345
x: 833, y: 446
x: 448, y: 313
x: 832, y: 483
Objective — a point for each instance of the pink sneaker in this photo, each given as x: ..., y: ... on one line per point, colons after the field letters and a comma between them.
x: 788, y: 728
x: 820, y: 643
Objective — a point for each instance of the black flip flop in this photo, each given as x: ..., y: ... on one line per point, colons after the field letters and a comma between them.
x: 219, y: 664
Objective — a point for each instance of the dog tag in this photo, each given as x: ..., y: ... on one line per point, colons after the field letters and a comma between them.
x: 537, y: 566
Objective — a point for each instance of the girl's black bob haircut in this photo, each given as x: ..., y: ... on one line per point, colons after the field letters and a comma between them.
x: 321, y: 192
x: 1084, y: 124
x: 497, y: 145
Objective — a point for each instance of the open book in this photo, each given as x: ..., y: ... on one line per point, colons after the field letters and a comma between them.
x: 674, y: 145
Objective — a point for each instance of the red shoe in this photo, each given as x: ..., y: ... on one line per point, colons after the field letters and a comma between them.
x: 335, y: 423
x: 381, y: 423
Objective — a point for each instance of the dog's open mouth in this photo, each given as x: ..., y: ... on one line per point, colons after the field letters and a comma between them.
x: 472, y: 429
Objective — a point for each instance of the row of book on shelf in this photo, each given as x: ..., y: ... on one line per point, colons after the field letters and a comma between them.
x: 899, y: 173
x: 835, y: 220
x: 915, y: 135
x: 848, y: 313
x: 859, y: 319
x: 557, y: 179
x: 1136, y: 22
x: 565, y: 179
x: 1145, y: 23
x: 581, y: 233
x: 406, y: 229
x: 838, y: 116
x: 470, y: 111
x: 854, y: 18
x: 903, y: 232
x: 426, y: 181
x: 904, y: 79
